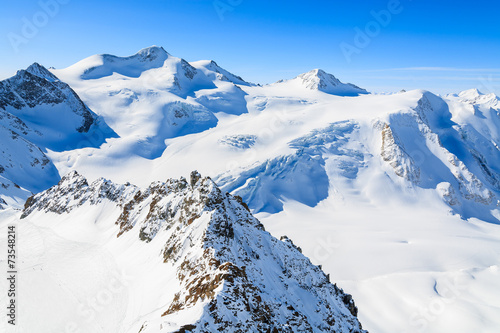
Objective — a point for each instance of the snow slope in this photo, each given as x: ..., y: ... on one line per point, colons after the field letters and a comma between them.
x: 396, y: 195
x: 24, y: 163
x: 152, y: 96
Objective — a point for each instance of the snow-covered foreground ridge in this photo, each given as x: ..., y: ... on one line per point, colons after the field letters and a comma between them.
x: 224, y: 271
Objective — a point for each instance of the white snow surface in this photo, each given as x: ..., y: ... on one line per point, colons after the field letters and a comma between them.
x: 396, y: 196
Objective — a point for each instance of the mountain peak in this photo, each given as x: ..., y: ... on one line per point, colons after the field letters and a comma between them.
x: 103, y: 65
x: 318, y: 79
x: 224, y: 75
x: 42, y: 72
x: 475, y: 96
x: 470, y: 93
x: 152, y: 53
x: 56, y: 116
x: 318, y: 72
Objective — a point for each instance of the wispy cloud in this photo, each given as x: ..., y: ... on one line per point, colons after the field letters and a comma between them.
x: 436, y: 69
x: 424, y: 78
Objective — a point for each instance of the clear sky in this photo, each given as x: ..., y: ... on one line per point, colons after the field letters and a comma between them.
x: 443, y: 46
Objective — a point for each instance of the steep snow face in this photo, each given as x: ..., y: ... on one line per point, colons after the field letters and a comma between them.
x: 58, y: 119
x: 175, y: 119
x: 425, y: 147
x: 228, y: 97
x: 24, y: 163
x: 11, y: 194
x: 42, y: 72
x: 291, y: 177
x: 319, y: 80
x: 221, y: 271
x: 39, y: 112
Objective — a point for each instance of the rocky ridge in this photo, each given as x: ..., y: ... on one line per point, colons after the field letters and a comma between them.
x: 245, y: 279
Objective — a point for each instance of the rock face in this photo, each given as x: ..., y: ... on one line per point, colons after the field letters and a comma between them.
x: 224, y: 261
x: 394, y: 153
x: 38, y: 111
x: 425, y: 147
x: 30, y: 91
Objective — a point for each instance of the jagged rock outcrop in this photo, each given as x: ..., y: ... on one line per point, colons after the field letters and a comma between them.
x: 424, y: 146
x: 393, y: 152
x: 244, y: 279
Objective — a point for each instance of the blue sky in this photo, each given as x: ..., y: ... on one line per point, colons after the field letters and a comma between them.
x: 443, y: 46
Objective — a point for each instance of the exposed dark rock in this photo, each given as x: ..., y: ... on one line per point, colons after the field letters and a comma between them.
x: 36, y: 86
x: 195, y: 176
x: 222, y: 256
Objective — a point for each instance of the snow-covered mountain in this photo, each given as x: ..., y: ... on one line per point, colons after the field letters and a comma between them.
x: 222, y: 272
x: 57, y: 117
x: 212, y: 69
x: 396, y: 196
x: 39, y: 112
x: 319, y: 80
x: 166, y: 95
